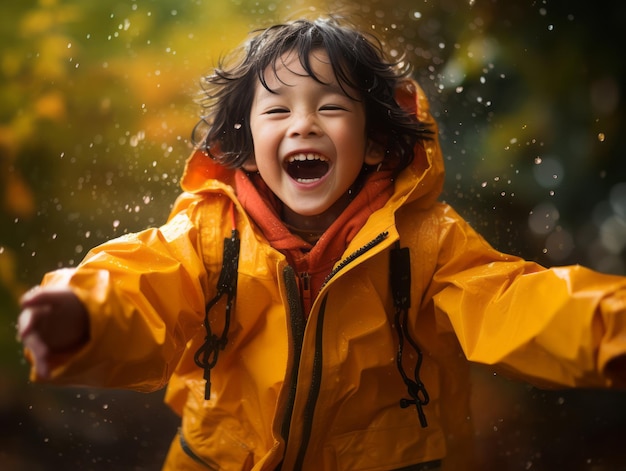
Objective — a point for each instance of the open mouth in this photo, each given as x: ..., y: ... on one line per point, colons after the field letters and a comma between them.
x: 306, y: 168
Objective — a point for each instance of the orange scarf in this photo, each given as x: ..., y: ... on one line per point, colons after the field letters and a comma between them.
x: 317, y: 260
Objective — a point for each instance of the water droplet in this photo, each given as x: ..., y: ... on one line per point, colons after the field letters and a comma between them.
x: 237, y: 126
x: 543, y: 218
x: 601, y: 137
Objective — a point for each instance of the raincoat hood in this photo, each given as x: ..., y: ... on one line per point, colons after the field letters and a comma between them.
x: 422, y: 180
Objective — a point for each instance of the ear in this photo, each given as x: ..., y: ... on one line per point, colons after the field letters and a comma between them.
x: 250, y: 165
x: 374, y: 153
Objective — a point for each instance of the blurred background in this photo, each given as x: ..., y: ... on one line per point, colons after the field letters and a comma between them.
x: 97, y: 104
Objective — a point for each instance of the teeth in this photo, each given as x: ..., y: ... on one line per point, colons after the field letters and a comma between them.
x: 306, y: 180
x: 303, y: 157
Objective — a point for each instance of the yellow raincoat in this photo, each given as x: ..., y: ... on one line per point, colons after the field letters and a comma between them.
x: 324, y: 392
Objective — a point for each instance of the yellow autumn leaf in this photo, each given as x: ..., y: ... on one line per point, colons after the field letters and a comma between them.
x: 8, y: 143
x: 8, y: 269
x: 22, y: 128
x: 36, y: 22
x: 18, y: 198
x: 53, y: 57
x: 47, y: 16
x: 51, y: 106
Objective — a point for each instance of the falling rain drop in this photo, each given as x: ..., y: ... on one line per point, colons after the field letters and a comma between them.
x: 543, y: 218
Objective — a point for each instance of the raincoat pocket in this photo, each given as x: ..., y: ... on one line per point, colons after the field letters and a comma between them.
x: 211, y: 437
x: 232, y: 455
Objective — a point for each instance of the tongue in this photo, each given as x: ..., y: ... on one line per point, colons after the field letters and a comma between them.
x: 307, y: 169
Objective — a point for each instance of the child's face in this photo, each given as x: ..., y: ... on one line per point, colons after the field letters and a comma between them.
x: 309, y: 137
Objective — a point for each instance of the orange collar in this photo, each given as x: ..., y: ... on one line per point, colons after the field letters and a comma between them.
x: 317, y: 260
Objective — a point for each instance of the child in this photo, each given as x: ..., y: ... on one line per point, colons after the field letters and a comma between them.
x: 309, y: 303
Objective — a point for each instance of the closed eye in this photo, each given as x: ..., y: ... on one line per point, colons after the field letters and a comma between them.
x: 277, y: 111
x: 332, y: 108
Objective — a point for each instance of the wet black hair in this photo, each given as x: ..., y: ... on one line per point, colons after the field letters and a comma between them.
x: 359, y: 63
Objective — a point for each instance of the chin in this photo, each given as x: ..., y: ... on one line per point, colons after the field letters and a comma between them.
x: 309, y: 213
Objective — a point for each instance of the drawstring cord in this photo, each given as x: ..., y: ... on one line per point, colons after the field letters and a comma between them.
x: 206, y: 355
x: 400, y: 275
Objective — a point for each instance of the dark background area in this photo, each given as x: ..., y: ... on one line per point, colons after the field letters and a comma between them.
x: 96, y: 111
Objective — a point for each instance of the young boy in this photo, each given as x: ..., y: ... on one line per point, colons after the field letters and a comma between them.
x: 309, y: 303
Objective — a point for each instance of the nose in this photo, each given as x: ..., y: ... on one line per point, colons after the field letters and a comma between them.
x: 305, y: 124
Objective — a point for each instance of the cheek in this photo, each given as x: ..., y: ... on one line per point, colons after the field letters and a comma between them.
x: 353, y: 134
x: 266, y: 141
x: 264, y: 161
x: 263, y: 136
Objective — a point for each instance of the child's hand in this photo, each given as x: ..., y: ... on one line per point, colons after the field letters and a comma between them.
x: 53, y: 320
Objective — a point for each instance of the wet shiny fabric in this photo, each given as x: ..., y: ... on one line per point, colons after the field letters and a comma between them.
x: 326, y: 393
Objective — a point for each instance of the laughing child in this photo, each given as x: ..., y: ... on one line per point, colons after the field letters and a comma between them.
x: 309, y: 304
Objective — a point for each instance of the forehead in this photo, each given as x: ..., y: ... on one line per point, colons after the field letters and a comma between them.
x: 316, y: 64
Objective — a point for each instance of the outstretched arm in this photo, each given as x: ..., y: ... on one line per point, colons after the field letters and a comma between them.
x: 123, y: 316
x: 52, y: 321
x: 564, y: 326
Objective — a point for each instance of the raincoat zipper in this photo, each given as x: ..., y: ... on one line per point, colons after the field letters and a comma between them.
x: 297, y: 324
x: 193, y: 455
x: 316, y: 378
x: 354, y: 255
x: 314, y: 390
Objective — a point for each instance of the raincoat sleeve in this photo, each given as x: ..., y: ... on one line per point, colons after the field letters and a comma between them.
x: 145, y: 297
x: 552, y: 327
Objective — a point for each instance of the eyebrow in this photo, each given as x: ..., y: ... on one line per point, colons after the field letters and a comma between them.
x: 333, y: 87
